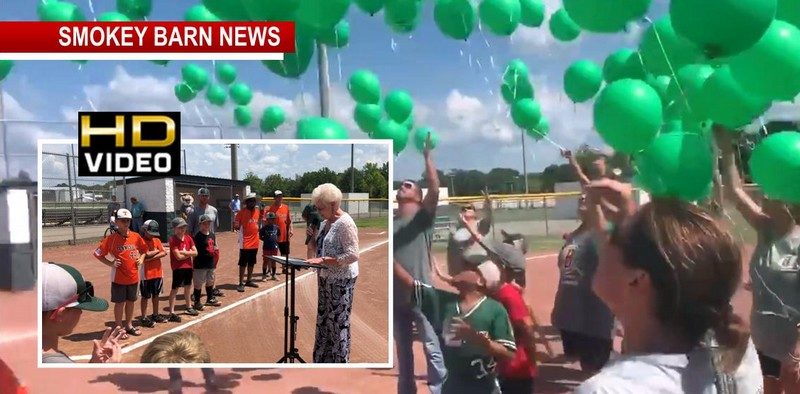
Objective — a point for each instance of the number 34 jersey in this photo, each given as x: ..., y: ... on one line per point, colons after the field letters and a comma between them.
x: 469, y: 368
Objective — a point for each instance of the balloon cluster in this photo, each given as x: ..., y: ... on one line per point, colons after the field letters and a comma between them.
x: 707, y: 62
x: 5, y: 68
x: 517, y: 91
x: 365, y: 88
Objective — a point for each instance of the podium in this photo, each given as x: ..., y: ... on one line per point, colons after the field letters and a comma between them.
x: 290, y: 318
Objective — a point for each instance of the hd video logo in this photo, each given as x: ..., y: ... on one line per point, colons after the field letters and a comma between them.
x: 129, y: 143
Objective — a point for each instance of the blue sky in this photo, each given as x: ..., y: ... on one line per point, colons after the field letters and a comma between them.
x: 453, y: 83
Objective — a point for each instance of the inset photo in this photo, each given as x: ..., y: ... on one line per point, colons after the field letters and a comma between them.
x: 256, y: 255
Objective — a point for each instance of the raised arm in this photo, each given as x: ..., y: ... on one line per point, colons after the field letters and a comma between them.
x: 582, y: 178
x: 431, y: 199
x: 733, y: 185
x: 485, y: 224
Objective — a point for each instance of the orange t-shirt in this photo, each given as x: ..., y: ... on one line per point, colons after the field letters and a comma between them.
x: 127, y: 250
x: 152, y: 267
x: 248, y: 232
x: 281, y: 219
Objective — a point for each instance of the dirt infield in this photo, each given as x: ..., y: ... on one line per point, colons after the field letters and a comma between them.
x: 258, y: 322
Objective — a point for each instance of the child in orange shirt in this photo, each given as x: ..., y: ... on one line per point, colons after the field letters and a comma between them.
x: 152, y: 275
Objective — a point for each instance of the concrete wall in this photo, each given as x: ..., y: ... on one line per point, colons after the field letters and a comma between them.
x: 150, y: 192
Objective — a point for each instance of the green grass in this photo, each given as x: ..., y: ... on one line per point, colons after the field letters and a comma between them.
x: 374, y: 222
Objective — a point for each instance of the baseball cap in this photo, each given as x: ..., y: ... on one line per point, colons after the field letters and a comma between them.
x: 236, y: 195
x: 271, y: 215
x: 205, y: 218
x: 278, y: 193
x: 506, y: 255
x: 123, y: 213
x: 203, y: 192
x: 250, y: 196
x: 64, y: 286
x: 178, y: 222
x: 151, y: 227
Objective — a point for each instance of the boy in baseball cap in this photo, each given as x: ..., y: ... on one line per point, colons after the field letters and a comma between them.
x: 128, y: 250
x: 269, y: 234
x: 152, y: 275
x: 205, y: 263
x: 65, y: 295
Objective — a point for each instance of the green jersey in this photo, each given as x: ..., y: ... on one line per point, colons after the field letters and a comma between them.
x: 469, y: 368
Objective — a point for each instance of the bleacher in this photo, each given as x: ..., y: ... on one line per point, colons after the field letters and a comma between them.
x: 83, y: 215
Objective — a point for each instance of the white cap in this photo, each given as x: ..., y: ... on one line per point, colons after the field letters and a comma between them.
x: 278, y: 193
x: 57, y: 287
x: 491, y: 274
x: 250, y: 196
x: 124, y: 214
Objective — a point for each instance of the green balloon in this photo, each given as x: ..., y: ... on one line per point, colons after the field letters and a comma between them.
x: 160, y: 62
x: 512, y: 93
x: 216, y: 95
x: 272, y: 117
x: 775, y: 166
x: 241, y: 93
x: 608, y: 16
x: 242, y: 115
x: 722, y: 27
x: 517, y: 67
x: 455, y: 18
x: 672, y: 125
x: 199, y: 13
x: 195, y: 76
x: 370, y: 6
x: 628, y: 115
x: 676, y: 165
x: 771, y: 68
x: 367, y: 117
x: 409, y: 123
x: 364, y: 87
x: 59, y: 11
x: 391, y: 130
x: 113, y: 17
x: 398, y: 105
x: 543, y: 128
x: 338, y: 36
x: 660, y: 39
x: 526, y: 113
x: 500, y: 16
x: 725, y: 101
x: 789, y: 11
x: 421, y: 135
x: 294, y: 64
x: 321, y: 14
x: 184, y: 92
x: 317, y: 128
x: 272, y: 10
x: 624, y: 63
x: 5, y: 68
x: 531, y: 13
x: 562, y: 27
x: 582, y: 80
x: 691, y: 78
x: 135, y: 9
x: 402, y: 16
x: 229, y: 10
x: 661, y: 85
x: 226, y: 73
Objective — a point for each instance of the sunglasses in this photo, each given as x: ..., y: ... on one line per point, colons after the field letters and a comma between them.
x: 408, y: 185
x: 85, y: 295
x: 467, y: 208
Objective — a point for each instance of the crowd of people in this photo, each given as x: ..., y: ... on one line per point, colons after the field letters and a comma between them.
x: 662, y: 275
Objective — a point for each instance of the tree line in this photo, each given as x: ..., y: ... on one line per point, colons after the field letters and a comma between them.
x: 372, y: 178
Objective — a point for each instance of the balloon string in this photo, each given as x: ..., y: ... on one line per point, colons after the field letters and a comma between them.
x: 763, y: 126
x: 199, y: 115
x: 339, y: 63
x: 91, y: 9
x: 546, y: 138
x: 669, y: 63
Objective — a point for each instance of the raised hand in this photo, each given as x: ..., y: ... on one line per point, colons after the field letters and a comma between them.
x: 428, y: 146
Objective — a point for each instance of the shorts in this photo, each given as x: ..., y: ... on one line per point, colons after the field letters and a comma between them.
x: 593, y: 352
x: 203, y: 276
x: 283, y: 247
x: 247, y: 257
x: 123, y: 293
x: 269, y: 252
x: 181, y: 277
x: 516, y: 385
x: 151, y: 288
x: 769, y: 366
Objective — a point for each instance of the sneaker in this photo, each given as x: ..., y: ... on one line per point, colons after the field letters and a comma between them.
x: 217, y: 293
x: 264, y: 278
x: 240, y: 288
x: 192, y: 312
x: 174, y: 318
x: 274, y: 278
x: 250, y: 283
x: 213, y: 302
x: 198, y: 306
x: 158, y: 318
x: 147, y: 322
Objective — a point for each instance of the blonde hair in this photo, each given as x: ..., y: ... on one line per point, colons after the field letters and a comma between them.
x: 326, y: 193
x: 177, y: 347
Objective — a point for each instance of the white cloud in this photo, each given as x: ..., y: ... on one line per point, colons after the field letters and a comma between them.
x: 323, y: 156
x: 535, y: 40
x: 292, y: 148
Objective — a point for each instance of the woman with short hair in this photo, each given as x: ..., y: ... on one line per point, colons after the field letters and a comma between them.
x: 337, y: 249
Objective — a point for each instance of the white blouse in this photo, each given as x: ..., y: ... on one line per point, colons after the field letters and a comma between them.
x: 341, y: 243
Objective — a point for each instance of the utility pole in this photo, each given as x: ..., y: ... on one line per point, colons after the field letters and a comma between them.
x: 524, y: 161
x: 352, y: 171
x: 5, y: 134
x: 324, y: 79
x: 234, y: 163
x: 184, y: 162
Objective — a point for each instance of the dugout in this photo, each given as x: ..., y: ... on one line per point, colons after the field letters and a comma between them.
x: 18, y: 235
x: 161, y: 197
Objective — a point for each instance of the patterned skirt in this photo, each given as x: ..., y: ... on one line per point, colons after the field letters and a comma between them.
x: 334, y: 306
